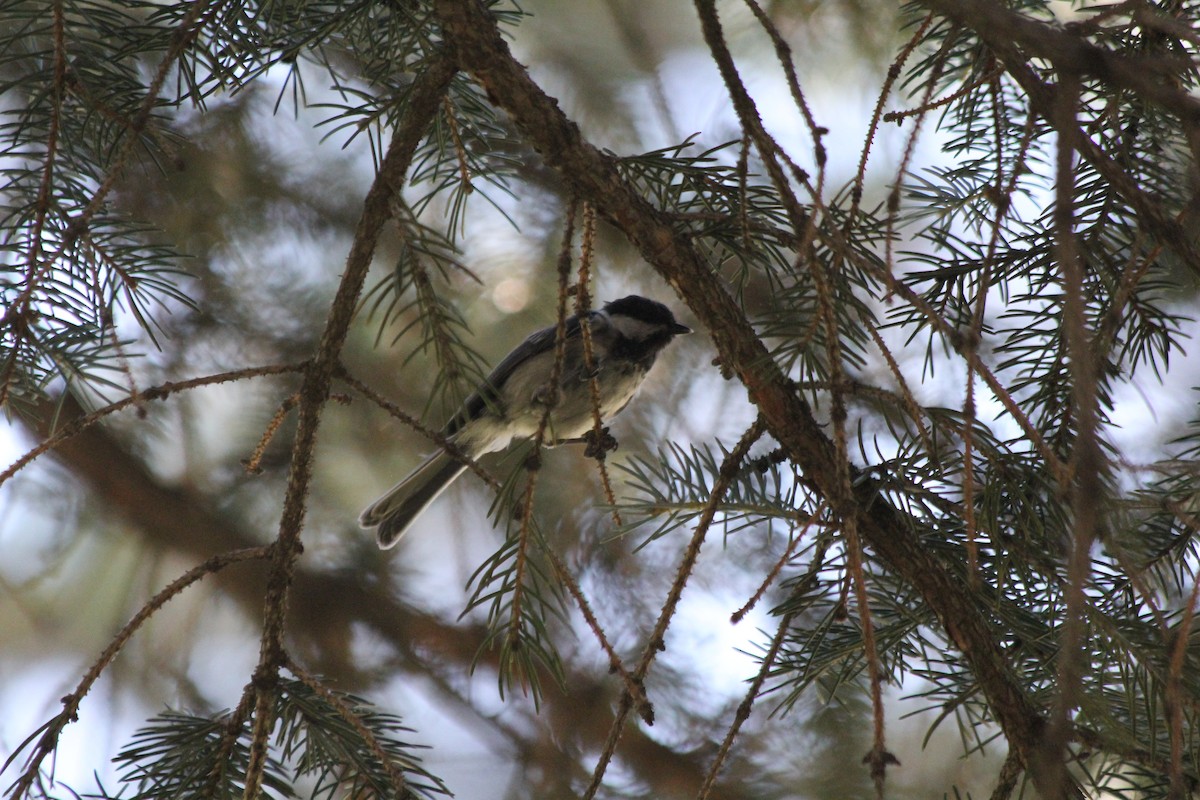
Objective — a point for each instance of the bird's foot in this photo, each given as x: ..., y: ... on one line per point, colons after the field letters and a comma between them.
x: 599, y: 443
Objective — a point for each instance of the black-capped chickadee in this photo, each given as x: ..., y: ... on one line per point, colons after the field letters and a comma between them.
x: 627, y: 335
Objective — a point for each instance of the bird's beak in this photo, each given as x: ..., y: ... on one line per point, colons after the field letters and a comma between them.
x: 679, y: 330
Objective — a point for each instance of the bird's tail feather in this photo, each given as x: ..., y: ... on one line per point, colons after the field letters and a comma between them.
x: 392, y: 513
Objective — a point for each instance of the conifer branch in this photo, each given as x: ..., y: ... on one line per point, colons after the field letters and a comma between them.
x: 424, y: 101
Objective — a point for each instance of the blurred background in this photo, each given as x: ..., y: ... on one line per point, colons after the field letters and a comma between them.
x: 263, y: 196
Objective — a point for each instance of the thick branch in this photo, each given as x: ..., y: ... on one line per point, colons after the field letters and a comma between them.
x: 594, y: 177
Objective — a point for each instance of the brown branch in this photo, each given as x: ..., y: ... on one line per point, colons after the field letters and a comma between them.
x: 435, y: 436
x: 80, y: 422
x: 1175, y: 695
x: 598, y: 440
x: 594, y: 177
x: 1086, y: 491
x: 233, y: 730
x: 908, y: 401
x: 348, y: 715
x: 970, y: 343
x: 756, y: 683
x: 878, y: 758
x: 929, y: 105
x: 748, y: 606
x: 769, y: 150
x: 1006, y: 780
x: 783, y: 54
x: 424, y: 100
x: 21, y: 306
x: 635, y: 689
x: 910, y: 148
x: 551, y: 395
x: 253, y: 464
x: 893, y: 74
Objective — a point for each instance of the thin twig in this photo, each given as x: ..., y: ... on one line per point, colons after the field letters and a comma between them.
x: 774, y: 157
x: 749, y: 605
x: 893, y: 74
x: 427, y: 304
x: 878, y: 758
x: 656, y: 643
x: 160, y: 392
x: 251, y: 464
x: 34, y: 261
x: 926, y: 107
x: 70, y: 713
x: 801, y: 220
x: 969, y: 486
x: 841, y: 497
x: 970, y: 343
x: 1005, y: 29
x: 1176, y: 696
x: 1107, y: 328
x: 910, y: 148
x: 17, y: 315
x: 783, y: 54
x: 635, y: 688
x: 1086, y: 486
x: 460, y: 149
x: 768, y: 662
x: 955, y: 339
x: 583, y: 305
x: 908, y: 400
x: 551, y: 395
x: 436, y: 437
x: 233, y: 731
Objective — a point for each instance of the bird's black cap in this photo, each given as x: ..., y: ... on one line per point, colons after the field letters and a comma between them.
x: 644, y: 310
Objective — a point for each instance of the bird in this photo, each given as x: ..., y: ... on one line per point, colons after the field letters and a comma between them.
x: 626, y: 337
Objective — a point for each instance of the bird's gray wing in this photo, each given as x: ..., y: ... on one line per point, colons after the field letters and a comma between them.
x: 488, y: 394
